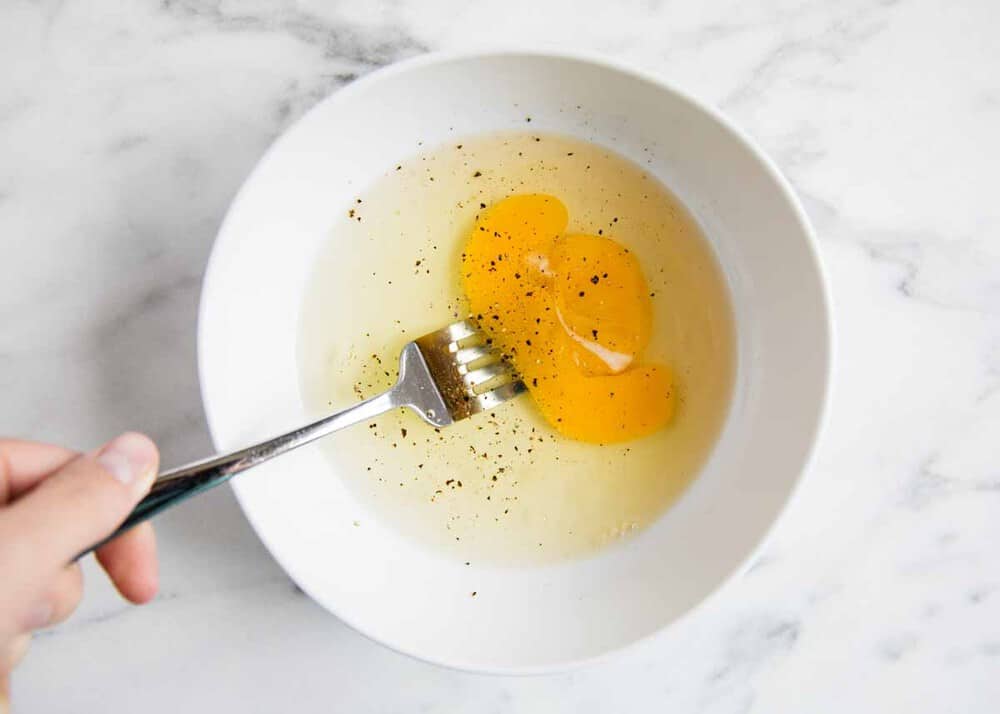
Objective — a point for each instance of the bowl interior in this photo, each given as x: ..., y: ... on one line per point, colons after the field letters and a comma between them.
x: 416, y: 600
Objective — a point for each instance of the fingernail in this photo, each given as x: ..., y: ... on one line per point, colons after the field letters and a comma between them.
x: 131, y: 458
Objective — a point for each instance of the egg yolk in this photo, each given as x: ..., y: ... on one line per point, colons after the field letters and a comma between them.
x: 572, y: 313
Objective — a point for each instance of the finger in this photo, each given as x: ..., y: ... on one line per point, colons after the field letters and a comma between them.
x: 24, y: 463
x: 5, y: 482
x: 130, y: 561
x: 14, y: 652
x: 64, y: 593
x: 80, y: 504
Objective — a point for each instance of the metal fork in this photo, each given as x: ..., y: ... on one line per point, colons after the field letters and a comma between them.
x: 444, y: 376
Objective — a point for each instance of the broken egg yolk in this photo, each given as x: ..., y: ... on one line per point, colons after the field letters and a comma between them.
x: 572, y: 312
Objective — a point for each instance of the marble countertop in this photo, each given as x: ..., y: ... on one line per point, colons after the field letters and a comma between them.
x: 126, y: 128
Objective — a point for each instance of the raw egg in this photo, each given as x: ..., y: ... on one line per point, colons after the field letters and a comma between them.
x: 573, y: 314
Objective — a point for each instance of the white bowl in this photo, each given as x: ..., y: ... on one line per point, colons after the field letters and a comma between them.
x: 535, y: 618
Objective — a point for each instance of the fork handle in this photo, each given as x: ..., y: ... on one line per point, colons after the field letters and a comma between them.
x: 172, y: 487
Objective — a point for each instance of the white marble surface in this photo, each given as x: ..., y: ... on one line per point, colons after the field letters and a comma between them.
x: 125, y: 129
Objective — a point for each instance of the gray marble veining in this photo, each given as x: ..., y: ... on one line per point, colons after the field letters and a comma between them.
x: 127, y: 127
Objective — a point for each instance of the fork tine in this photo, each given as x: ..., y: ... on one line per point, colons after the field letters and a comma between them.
x: 470, y: 341
x: 485, y: 378
x: 475, y: 355
x: 465, y: 371
x: 501, y: 394
x: 461, y: 330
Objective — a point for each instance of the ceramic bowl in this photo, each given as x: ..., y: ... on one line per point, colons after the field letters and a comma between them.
x: 537, y: 618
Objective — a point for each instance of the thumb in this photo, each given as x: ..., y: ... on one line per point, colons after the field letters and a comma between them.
x: 84, y: 501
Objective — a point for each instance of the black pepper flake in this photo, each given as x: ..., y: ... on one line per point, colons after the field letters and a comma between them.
x: 482, y: 205
x: 600, y: 231
x: 403, y: 432
x: 581, y: 293
x: 534, y: 381
x: 593, y: 279
x: 477, y: 174
x: 594, y: 333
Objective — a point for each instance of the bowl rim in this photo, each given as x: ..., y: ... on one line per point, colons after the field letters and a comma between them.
x: 598, y: 60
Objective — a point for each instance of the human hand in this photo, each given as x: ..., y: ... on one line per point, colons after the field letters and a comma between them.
x: 54, y: 503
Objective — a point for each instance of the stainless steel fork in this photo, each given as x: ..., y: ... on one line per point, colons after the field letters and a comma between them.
x: 444, y: 376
